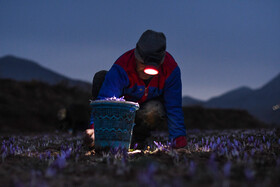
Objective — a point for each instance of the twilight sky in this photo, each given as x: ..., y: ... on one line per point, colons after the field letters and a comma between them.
x: 219, y: 44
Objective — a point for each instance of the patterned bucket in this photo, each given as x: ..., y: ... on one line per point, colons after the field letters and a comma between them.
x: 113, y: 123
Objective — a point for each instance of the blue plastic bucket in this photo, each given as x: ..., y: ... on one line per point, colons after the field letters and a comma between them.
x: 113, y: 123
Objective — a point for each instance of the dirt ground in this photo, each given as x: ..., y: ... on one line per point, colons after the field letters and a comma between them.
x: 212, y: 158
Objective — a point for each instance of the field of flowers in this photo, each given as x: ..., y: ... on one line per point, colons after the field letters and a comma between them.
x: 212, y: 158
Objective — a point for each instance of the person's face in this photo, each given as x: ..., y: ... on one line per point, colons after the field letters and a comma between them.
x: 140, y: 70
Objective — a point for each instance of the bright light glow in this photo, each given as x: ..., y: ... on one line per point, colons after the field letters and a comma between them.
x: 151, y: 71
x: 276, y: 107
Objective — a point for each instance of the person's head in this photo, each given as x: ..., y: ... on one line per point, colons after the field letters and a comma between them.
x: 150, y: 53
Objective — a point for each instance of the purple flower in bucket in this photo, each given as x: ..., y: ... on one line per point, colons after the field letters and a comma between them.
x: 115, y: 98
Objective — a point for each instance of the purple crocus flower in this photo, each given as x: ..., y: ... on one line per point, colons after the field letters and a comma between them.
x: 60, y: 162
x: 114, y: 151
x: 3, y: 156
x: 250, y: 139
x: 234, y: 152
x: 135, y: 146
x: 253, y: 152
x: 268, y: 144
x: 67, y: 153
x: 212, y: 157
x: 261, y: 148
x: 115, y: 98
x: 227, y: 169
x: 51, y: 172
x: 228, y: 142
x: 226, y: 150
x: 147, y: 177
x: 245, y: 157
x: 3, y: 148
x: 235, y: 142
x: 192, y: 168
x: 78, y: 148
x: 218, y: 140
x: 222, y: 151
x: 255, y: 143
x: 48, y: 155
x: 249, y: 174
x: 158, y: 144
x: 214, y: 146
x: 196, y: 146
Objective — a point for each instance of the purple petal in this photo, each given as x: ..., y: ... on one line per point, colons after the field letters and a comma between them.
x: 227, y: 169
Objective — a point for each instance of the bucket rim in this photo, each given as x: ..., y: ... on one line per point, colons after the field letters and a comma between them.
x: 130, y: 103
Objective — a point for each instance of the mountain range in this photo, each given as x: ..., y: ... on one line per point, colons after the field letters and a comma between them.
x: 20, y: 69
x: 258, y: 102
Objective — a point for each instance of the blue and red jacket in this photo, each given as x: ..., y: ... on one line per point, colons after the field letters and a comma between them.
x: 122, y: 80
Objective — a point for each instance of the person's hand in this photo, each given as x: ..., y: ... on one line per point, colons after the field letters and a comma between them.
x: 89, y: 137
x: 180, y: 142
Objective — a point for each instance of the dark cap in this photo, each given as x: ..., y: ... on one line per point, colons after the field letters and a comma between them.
x: 150, y: 48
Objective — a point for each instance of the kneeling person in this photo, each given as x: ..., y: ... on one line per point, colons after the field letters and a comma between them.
x: 149, y: 75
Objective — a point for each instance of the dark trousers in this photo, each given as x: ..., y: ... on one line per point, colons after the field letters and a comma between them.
x: 150, y: 116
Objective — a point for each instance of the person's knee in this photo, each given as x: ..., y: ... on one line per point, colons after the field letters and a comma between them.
x: 97, y: 82
x: 152, y: 114
x: 100, y: 74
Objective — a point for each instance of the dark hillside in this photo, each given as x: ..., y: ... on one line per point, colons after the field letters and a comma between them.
x: 204, y: 118
x: 33, y: 106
